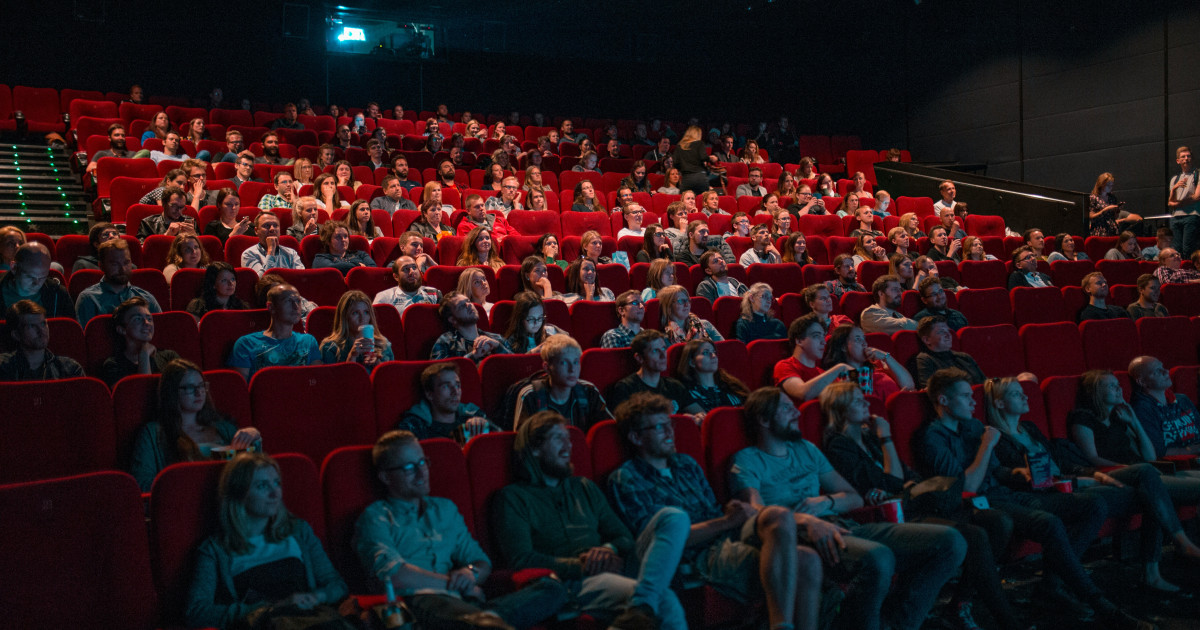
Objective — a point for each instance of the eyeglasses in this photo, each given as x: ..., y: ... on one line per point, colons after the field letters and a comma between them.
x: 535, y: 320
x: 661, y: 427
x: 509, y: 187
x: 410, y: 468
x: 191, y: 390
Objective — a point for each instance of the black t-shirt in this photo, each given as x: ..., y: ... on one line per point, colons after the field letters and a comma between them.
x: 671, y: 388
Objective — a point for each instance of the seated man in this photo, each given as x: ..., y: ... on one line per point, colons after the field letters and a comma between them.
x: 32, y: 360
x: 270, y: 149
x: 942, y: 246
x: 285, y: 195
x: 463, y: 337
x: 441, y: 411
x: 412, y: 244
x: 555, y: 520
x: 947, y: 191
x: 650, y: 351
x: 1025, y: 273
x: 133, y: 329
x: 288, y: 120
x: 933, y: 296
x: 717, y: 281
x: 409, y: 289
x: 244, y: 164
x: 801, y: 375
x: 953, y: 225
x: 446, y: 175
x: 1171, y: 271
x: 400, y: 170
x: 198, y: 195
x: 29, y: 279
x: 1036, y: 241
x: 753, y: 186
x: 1147, y: 304
x: 1095, y: 287
x: 694, y: 245
x: 375, y: 156
x: 561, y: 390
x: 106, y: 295
x: 631, y: 309
x: 279, y: 344
x: 884, y: 315
x: 172, y: 221
x: 744, y: 551
x: 393, y: 198
x: 935, y: 334
x: 955, y: 444
x: 268, y: 253
x: 661, y: 151
x: 1169, y: 418
x: 509, y: 198
x: 762, y: 249
x: 784, y: 469
x: 172, y: 149
x: 419, y: 547
x: 235, y: 144
x: 477, y: 216
x: 116, y: 147
x: 843, y: 266
x: 1163, y: 239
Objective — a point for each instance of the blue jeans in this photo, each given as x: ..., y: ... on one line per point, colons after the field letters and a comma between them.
x: 522, y: 609
x: 1187, y: 233
x: 1145, y: 491
x: 659, y: 547
x: 925, y: 556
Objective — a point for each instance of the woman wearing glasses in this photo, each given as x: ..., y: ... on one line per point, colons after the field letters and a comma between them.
x: 187, y: 428
x: 528, y: 328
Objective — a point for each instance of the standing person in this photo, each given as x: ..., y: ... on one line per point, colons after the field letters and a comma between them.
x: 1183, y: 199
x: 690, y: 159
x: 1103, y: 209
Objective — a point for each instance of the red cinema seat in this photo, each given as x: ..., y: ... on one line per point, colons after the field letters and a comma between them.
x: 823, y: 225
x: 535, y: 223
x: 423, y: 327
x: 297, y: 407
x: 997, y: 349
x: 984, y: 225
x: 854, y: 302
x: 80, y: 540
x: 1109, y: 344
x: 348, y: 486
x: 1053, y: 349
x: 497, y: 373
x: 219, y: 330
x: 983, y: 274
x: 55, y: 429
x: 1058, y: 395
x: 590, y: 320
x: 323, y: 286
x: 1181, y: 299
x: 869, y: 270
x: 604, y: 366
x: 1038, y: 305
x: 907, y: 410
x: 1070, y: 273
x: 1171, y: 340
x: 763, y: 355
x: 1119, y: 271
x: 608, y: 448
x: 1186, y: 379
x: 783, y: 278
x: 722, y: 435
x: 41, y: 108
x: 577, y: 223
x: 985, y: 307
x: 66, y: 338
x: 397, y: 387
x: 370, y: 280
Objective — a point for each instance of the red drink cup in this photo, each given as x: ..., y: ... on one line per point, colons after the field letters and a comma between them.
x: 893, y: 512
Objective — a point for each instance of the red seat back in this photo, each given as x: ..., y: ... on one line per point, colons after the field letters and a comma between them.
x: 605, y: 366
x: 1053, y: 349
x: 277, y: 394
x: 983, y: 274
x: 985, y: 307
x: 722, y: 435
x: 997, y: 349
x: 906, y: 411
x: 55, y: 429
x: 1109, y: 344
x: 1171, y: 340
x: 763, y: 355
x: 498, y: 372
x: 323, y: 286
x: 1038, y: 305
x: 219, y: 330
x: 397, y: 387
x: 1181, y: 299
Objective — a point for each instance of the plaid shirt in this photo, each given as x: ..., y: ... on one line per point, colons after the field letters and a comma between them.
x: 619, y: 337
x: 1166, y: 275
x: 453, y: 344
x: 639, y: 491
x: 268, y: 202
x: 836, y: 288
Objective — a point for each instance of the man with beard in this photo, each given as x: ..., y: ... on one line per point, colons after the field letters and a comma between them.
x: 116, y: 147
x: 342, y: 137
x: 269, y: 253
x: 400, y: 170
x: 235, y: 145
x: 446, y: 174
x: 463, y: 337
x: 843, y: 266
x: 650, y: 351
x: 561, y: 390
x: 408, y: 289
x: 393, y: 198
x: 717, y: 281
x: 1095, y: 287
x: 884, y: 315
x: 660, y: 152
x: 171, y: 221
x: 784, y: 469
x: 279, y: 344
x: 106, y: 295
x: 288, y: 120
x: 744, y: 552
x: 553, y: 519
x: 270, y: 148
x: 934, y: 298
x: 441, y: 412
x: 631, y: 309
x: 32, y: 361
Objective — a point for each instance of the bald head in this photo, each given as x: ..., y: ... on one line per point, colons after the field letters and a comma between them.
x: 1150, y: 375
x: 32, y: 254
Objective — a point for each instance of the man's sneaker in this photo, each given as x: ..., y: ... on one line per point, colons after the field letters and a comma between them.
x: 961, y: 617
x: 639, y: 617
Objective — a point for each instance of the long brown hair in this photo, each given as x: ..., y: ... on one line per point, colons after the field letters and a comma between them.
x: 176, y: 443
x: 686, y: 372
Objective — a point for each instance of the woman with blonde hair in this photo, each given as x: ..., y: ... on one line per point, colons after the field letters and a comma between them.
x: 758, y: 320
x: 432, y: 191
x: 479, y: 248
x: 305, y: 217
x: 348, y: 341
x: 660, y: 276
x: 591, y: 247
x: 533, y: 180
x: 679, y: 323
x: 807, y: 169
x: 750, y: 153
x: 973, y: 249
x: 781, y: 224
x: 473, y: 284
x: 262, y: 558
x: 912, y: 225
x: 302, y: 171
x: 186, y: 252
x: 690, y: 158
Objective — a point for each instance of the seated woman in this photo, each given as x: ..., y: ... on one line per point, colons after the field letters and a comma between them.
x: 860, y: 448
x: 591, y: 246
x: 850, y: 205
x: 348, y: 342
x: 781, y: 224
x: 262, y: 557
x: 547, y: 246
x: 587, y: 162
x: 660, y: 276
x: 227, y: 224
x: 537, y: 201
x: 344, y: 172
x: 586, y: 199
x: 429, y: 224
x: 820, y: 301
x: 902, y: 243
x: 637, y: 179
x: 656, y: 245
x: 336, y: 252
x: 634, y: 215
x: 473, y: 284
x: 758, y: 319
x: 807, y: 170
x: 679, y: 323
x: 217, y: 291
x: 302, y: 172
x: 869, y: 367
x: 901, y: 266
x: 750, y: 155
x: 535, y: 279
x: 1065, y: 249
x: 360, y: 221
x: 432, y: 192
x: 709, y: 386
x: 825, y: 187
x: 305, y: 217
x: 866, y: 221
x: 867, y: 249
x: 926, y: 267
x: 132, y: 330
x: 187, y: 425
x: 770, y: 205
x: 583, y: 284
x: 159, y: 127
x: 786, y: 186
x: 528, y: 328
x: 326, y: 191
x: 494, y: 176
x: 1127, y: 248
x: 795, y: 249
x: 478, y: 248
x: 186, y: 252
x: 533, y: 180
x: 476, y: 130
x: 1126, y: 490
x: 912, y: 225
x: 709, y: 203
x: 175, y: 177
x: 670, y: 183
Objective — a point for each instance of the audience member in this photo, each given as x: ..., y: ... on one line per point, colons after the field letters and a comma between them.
x: 902, y: 267
x: 114, y: 288
x: 32, y: 360
x: 441, y: 412
x: 679, y: 323
x: 463, y: 337
x: 1103, y: 209
x: 867, y: 249
x: 132, y: 329
x: 269, y: 253
x: 1169, y: 418
x: 1025, y: 273
x: 393, y: 197
x: 171, y: 221
x: 933, y: 296
x: 843, y: 266
x: 591, y: 247
x: 536, y: 279
x: 631, y: 309
x: 336, y: 252
x: 820, y: 301
x: 409, y: 289
x: 1170, y: 269
x: 99, y: 233
x: 717, y: 281
x: 186, y: 252
x: 583, y: 284
x: 875, y: 371
x: 947, y: 191
x: 355, y: 336
x: 1095, y: 289
x: 650, y: 351
x: 912, y: 224
x: 708, y: 385
x: 1067, y: 249
x: 795, y: 250
x: 656, y: 245
x: 116, y: 148
x: 496, y: 225
x: 937, y: 340
x: 884, y: 315
x: 801, y: 375
x: 864, y: 219
x: 973, y: 250
x: 29, y: 279
x: 941, y: 246
x: 560, y: 389
x: 227, y: 224
x: 1147, y: 304
x: 633, y: 214
x: 244, y: 165
x: 1163, y: 239
x: 279, y: 344
x: 762, y: 249
x: 1126, y: 248
x: 527, y: 327
x: 286, y: 193
x: 473, y: 284
x: 217, y: 291
x: 757, y: 320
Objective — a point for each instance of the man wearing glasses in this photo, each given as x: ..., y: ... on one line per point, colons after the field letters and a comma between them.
x: 631, y: 309
x: 235, y: 144
x: 245, y: 171
x: 509, y: 198
x: 478, y: 216
x: 419, y: 546
x: 1025, y: 273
